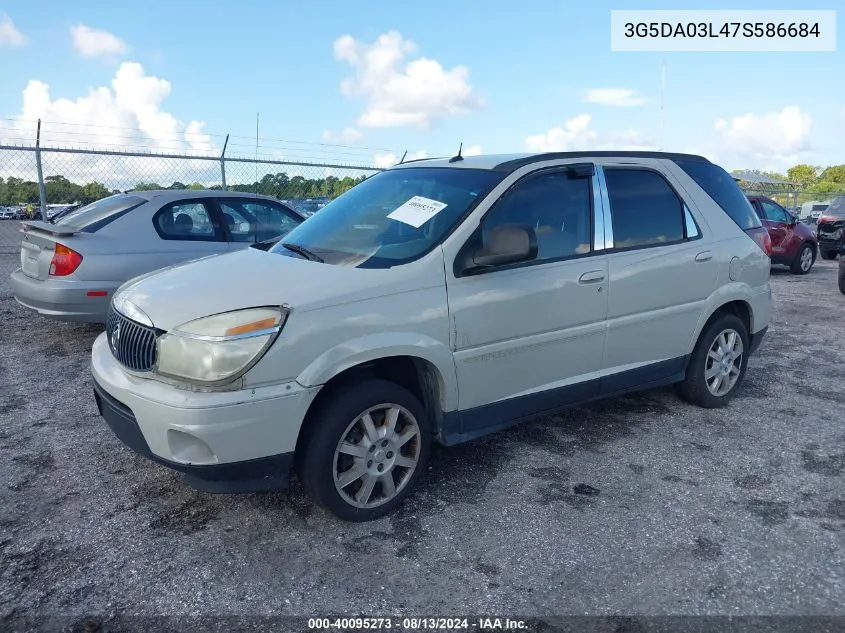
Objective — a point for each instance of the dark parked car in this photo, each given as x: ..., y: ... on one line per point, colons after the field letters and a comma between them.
x: 793, y: 243
x: 831, y: 227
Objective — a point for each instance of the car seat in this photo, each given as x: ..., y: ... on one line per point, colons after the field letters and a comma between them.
x: 184, y: 224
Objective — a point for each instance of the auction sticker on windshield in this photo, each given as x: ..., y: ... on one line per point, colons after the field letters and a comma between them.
x: 417, y: 211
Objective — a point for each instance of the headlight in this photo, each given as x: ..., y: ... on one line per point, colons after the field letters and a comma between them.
x: 218, y: 348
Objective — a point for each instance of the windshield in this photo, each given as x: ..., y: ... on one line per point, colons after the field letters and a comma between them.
x: 391, y: 218
x: 96, y: 214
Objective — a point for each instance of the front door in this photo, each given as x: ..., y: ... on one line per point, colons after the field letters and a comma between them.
x: 776, y: 220
x: 530, y: 336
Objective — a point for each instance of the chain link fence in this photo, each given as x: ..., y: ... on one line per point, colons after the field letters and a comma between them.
x: 40, y: 179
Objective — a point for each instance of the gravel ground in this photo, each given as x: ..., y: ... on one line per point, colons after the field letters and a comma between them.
x: 640, y: 505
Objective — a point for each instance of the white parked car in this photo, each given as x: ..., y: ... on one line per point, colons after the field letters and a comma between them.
x: 439, y: 300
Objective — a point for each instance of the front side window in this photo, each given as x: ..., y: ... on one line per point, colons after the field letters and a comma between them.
x: 189, y: 220
x: 773, y: 212
x: 646, y: 211
x: 557, y: 206
x: 391, y: 218
x: 252, y: 222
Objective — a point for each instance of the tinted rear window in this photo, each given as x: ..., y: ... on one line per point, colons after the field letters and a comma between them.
x: 99, y: 213
x: 724, y: 191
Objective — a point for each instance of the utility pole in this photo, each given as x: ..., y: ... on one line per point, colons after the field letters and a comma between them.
x: 662, y: 96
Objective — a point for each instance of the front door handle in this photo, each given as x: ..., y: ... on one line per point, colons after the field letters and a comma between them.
x: 592, y: 277
x: 705, y: 256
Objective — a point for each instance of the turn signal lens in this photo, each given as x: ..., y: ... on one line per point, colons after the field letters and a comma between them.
x: 255, y: 326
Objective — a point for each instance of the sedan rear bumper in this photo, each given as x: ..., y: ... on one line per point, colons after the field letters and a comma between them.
x: 64, y: 299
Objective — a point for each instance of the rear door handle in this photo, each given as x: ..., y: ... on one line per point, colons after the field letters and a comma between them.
x: 705, y: 256
x: 592, y: 277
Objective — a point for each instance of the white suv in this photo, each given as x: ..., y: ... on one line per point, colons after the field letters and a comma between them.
x: 439, y: 300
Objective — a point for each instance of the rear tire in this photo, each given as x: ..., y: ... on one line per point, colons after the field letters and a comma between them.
x: 717, y: 365
x: 367, y: 446
x: 828, y: 254
x: 804, y: 260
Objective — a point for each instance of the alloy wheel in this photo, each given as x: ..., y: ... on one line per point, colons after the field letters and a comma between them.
x: 723, y: 362
x: 377, y: 455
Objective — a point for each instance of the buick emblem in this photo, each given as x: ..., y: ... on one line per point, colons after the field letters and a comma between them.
x: 115, y: 335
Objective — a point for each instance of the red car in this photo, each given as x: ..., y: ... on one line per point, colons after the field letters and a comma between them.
x: 793, y: 243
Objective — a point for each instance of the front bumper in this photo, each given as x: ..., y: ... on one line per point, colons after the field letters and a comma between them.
x: 63, y: 299
x: 234, y: 441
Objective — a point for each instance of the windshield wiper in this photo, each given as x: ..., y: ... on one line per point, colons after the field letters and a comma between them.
x: 301, y: 250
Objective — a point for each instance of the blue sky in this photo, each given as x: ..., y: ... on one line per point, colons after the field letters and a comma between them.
x: 526, y: 70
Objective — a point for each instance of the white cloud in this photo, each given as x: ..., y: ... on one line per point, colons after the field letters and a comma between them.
x: 618, y: 97
x: 576, y: 135
x: 772, y: 141
x: 348, y: 135
x: 781, y: 136
x: 383, y: 160
x: 399, y: 92
x: 128, y: 115
x: 9, y: 33
x: 472, y: 150
x: 90, y: 42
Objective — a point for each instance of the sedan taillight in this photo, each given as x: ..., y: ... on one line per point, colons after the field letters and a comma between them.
x: 65, y: 261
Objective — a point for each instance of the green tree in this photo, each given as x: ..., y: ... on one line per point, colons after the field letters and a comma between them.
x: 833, y: 174
x: 803, y: 175
x: 147, y: 186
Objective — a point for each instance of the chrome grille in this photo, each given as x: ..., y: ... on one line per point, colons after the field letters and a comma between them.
x: 131, y: 343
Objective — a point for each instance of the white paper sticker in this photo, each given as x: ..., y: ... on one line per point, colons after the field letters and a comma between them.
x: 417, y: 211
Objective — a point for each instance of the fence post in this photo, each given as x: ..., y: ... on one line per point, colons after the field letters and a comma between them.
x: 42, y: 191
x: 223, y: 162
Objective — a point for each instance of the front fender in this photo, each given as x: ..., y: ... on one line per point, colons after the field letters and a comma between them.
x: 383, y: 345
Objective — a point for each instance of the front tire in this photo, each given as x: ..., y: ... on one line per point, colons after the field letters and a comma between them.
x: 828, y: 254
x: 804, y: 260
x: 367, y: 447
x: 718, y: 363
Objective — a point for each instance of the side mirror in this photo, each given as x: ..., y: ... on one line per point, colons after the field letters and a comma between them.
x: 507, y: 244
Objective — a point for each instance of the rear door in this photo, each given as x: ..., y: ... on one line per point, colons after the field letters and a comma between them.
x: 662, y: 268
x: 187, y: 229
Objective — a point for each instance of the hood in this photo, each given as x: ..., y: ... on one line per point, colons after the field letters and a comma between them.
x: 250, y: 278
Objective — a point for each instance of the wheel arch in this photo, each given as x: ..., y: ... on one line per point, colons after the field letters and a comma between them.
x: 736, y: 305
x: 412, y: 368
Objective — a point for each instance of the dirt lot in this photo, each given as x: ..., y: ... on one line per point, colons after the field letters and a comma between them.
x: 686, y: 511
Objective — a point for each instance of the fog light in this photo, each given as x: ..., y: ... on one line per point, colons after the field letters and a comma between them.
x: 188, y: 449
